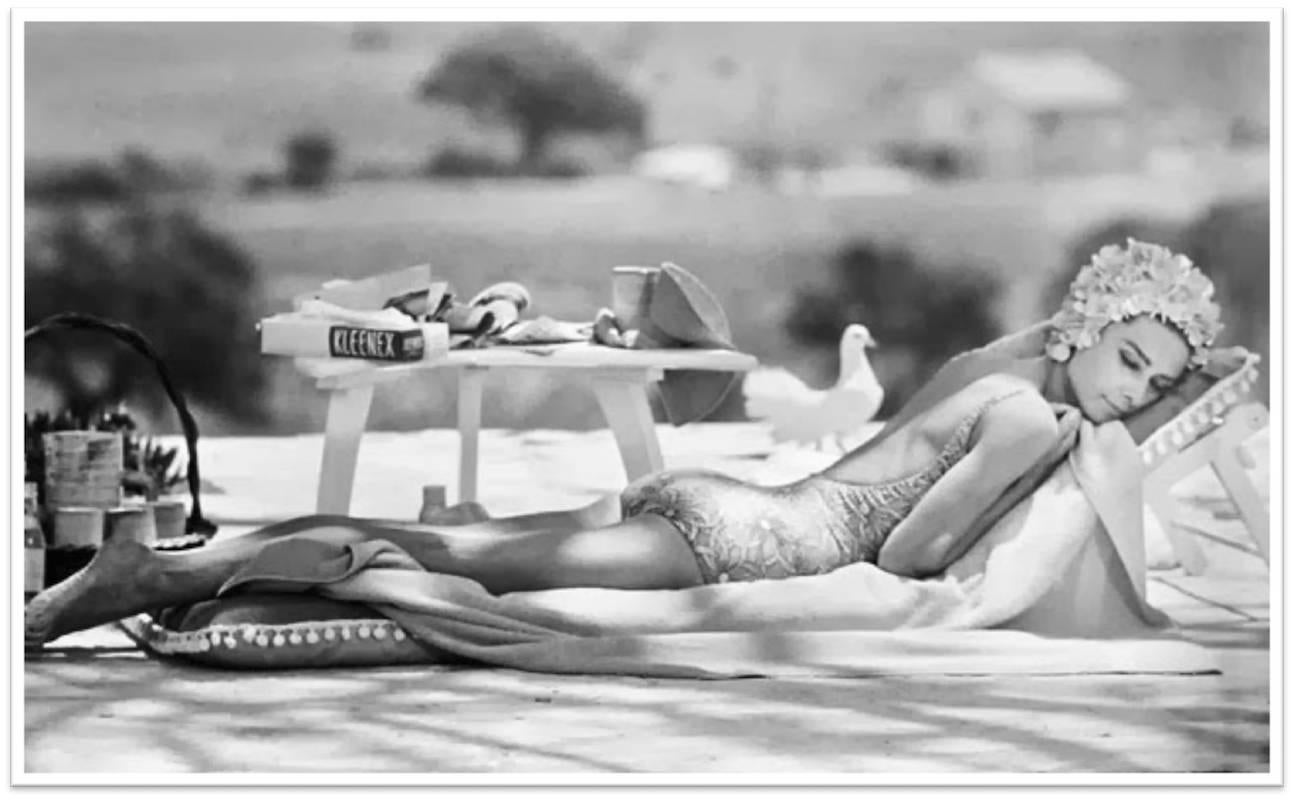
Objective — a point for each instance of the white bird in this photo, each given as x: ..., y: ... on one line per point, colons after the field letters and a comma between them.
x: 802, y: 414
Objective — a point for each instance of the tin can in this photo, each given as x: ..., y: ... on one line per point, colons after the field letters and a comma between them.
x: 168, y: 517
x: 631, y: 294
x: 132, y: 522
x: 77, y: 526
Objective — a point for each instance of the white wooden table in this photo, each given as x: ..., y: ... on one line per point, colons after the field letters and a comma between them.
x: 619, y: 379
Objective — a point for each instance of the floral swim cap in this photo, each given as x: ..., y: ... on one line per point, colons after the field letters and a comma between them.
x: 1125, y: 282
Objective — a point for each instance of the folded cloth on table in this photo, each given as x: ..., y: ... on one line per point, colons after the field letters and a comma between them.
x: 543, y: 330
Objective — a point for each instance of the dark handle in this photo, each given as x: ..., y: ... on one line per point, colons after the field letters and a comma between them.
x: 196, y: 523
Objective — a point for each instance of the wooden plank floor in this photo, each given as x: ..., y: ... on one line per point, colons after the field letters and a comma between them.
x: 95, y: 705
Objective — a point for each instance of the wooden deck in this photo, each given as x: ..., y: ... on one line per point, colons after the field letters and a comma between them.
x: 96, y: 705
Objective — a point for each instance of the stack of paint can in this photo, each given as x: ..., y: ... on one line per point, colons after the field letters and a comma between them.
x: 83, y: 472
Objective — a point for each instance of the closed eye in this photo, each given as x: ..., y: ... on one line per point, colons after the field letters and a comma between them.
x: 1136, y: 361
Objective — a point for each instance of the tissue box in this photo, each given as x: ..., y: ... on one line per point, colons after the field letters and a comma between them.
x: 317, y: 337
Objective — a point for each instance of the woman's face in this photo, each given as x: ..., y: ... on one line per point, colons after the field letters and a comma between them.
x: 1132, y: 365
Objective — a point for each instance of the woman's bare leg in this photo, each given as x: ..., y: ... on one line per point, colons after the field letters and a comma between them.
x: 642, y: 552
x: 601, y: 512
x: 126, y: 578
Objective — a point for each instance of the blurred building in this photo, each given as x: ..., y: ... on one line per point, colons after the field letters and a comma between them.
x: 1012, y: 114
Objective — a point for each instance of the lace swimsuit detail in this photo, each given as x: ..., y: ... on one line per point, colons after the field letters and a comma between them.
x: 743, y: 532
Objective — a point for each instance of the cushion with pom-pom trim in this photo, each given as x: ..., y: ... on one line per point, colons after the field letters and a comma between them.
x: 1195, y: 406
x: 279, y: 631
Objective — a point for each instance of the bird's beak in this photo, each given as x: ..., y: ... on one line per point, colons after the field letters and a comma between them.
x: 869, y: 341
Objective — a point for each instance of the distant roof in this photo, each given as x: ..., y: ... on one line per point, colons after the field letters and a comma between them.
x: 1051, y: 80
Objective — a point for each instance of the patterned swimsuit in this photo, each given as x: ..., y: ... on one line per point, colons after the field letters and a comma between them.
x: 744, y: 532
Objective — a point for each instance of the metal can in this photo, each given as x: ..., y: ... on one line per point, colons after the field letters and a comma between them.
x: 135, y: 523
x: 168, y: 517
x: 631, y: 294
x: 77, y: 526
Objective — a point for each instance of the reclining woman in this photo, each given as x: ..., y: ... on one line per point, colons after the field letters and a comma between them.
x: 1136, y: 319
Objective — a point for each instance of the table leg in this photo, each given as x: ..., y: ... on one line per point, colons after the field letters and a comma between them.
x: 347, y: 418
x: 471, y: 386
x: 623, y: 398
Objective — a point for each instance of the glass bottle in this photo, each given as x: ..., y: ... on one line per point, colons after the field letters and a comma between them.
x: 33, y: 544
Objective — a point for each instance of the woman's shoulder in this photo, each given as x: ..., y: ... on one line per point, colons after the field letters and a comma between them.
x: 1016, y: 406
x: 1008, y: 401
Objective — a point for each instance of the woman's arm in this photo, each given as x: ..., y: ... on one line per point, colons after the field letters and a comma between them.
x: 1014, y: 434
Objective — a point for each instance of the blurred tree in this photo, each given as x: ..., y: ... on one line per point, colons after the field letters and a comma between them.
x: 141, y: 173
x: 135, y: 173
x: 310, y: 158
x: 537, y: 84
x: 1248, y: 132
x: 186, y: 288
x: 370, y: 37
x: 920, y: 314
x: 72, y: 183
x: 457, y: 162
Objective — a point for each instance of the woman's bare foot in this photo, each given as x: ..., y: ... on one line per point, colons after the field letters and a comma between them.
x: 112, y: 586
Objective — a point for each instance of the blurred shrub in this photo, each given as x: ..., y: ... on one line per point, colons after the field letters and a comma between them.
x: 310, y: 158
x: 1248, y: 132
x: 536, y: 84
x: 921, y: 314
x: 1231, y: 242
x: 81, y: 182
x: 935, y: 161
x: 370, y: 37
x: 259, y: 183
x: 374, y: 171
x: 457, y: 162
x: 134, y: 173
x: 565, y: 168
x: 144, y: 174
x: 761, y: 160
x: 764, y: 160
x: 190, y: 290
